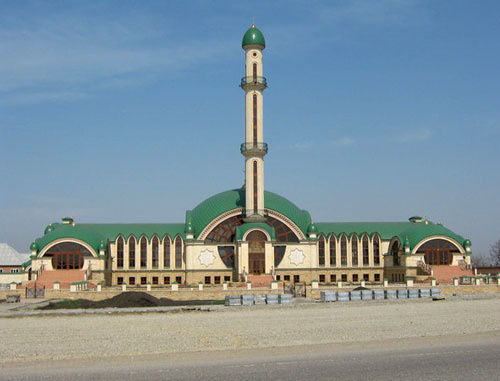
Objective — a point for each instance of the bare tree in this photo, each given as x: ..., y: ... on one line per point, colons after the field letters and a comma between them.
x: 479, y: 260
x: 495, y: 253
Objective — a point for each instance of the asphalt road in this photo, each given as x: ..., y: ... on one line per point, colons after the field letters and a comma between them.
x: 475, y: 356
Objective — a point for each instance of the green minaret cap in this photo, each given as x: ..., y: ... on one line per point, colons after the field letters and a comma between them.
x: 253, y: 36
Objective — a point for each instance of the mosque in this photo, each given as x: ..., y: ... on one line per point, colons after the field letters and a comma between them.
x: 248, y: 232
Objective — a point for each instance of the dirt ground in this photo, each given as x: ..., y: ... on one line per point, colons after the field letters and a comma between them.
x: 97, y: 336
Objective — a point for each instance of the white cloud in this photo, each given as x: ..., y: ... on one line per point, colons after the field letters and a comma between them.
x: 343, y: 141
x: 67, y: 59
x: 48, y: 96
x: 415, y: 136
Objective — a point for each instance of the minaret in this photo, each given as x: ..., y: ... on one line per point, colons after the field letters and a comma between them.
x: 254, y: 148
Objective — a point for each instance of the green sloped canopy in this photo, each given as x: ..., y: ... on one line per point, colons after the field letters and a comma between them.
x: 414, y: 231
x: 242, y: 229
x: 223, y: 202
x: 93, y: 234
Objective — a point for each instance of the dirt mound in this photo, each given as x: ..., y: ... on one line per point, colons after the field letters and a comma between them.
x: 127, y: 300
x: 360, y: 289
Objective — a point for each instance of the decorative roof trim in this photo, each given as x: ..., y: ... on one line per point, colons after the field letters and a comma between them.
x: 443, y: 237
x: 42, y: 252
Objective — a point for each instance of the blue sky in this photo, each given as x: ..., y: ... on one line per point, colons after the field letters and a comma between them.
x: 127, y: 111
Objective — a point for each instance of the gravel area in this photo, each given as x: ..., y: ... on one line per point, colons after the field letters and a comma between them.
x: 87, y: 336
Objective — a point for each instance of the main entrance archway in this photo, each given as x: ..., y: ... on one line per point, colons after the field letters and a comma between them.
x: 256, y: 252
x: 67, y: 255
x: 438, y: 252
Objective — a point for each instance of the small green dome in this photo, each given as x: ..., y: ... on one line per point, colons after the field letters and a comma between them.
x: 102, y: 246
x: 253, y: 36
x: 407, y: 243
x: 189, y: 228
x: 467, y: 243
x: 312, y: 228
x: 48, y: 229
x: 33, y: 246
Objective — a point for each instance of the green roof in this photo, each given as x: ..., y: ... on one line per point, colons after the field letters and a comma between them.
x: 223, y: 202
x: 253, y: 36
x: 414, y: 231
x: 93, y: 234
x: 242, y: 229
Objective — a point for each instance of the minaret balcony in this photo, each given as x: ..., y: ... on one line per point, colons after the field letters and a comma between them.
x: 253, y: 148
x: 254, y: 81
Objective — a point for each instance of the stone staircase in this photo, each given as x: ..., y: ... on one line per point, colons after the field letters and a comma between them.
x: 260, y: 280
x: 64, y: 277
x: 445, y: 273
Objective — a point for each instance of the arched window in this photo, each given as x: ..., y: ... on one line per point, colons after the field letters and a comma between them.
x: 225, y: 231
x: 67, y: 255
x: 254, y: 118
x: 226, y: 253
x: 438, y: 252
x: 119, y: 253
x: 178, y: 252
x: 144, y: 252
x: 376, y: 249
x: 279, y: 253
x: 343, y: 251
x: 131, y: 252
x: 166, y: 252
x: 333, y: 251
x: 395, y: 253
x: 366, y: 252
x: 255, y: 187
x: 321, y: 251
x: 155, y: 251
x: 354, y: 250
x: 283, y: 232
x: 254, y: 71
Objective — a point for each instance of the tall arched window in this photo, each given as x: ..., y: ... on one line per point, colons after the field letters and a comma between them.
x: 166, y: 252
x: 255, y: 197
x: 254, y: 118
x: 354, y: 250
x: 155, y: 251
x: 395, y: 253
x: 333, y: 251
x: 254, y: 71
x: 144, y: 252
x: 119, y: 253
x: 321, y: 251
x: 343, y: 251
x: 131, y: 252
x: 366, y: 251
x: 376, y: 249
x: 178, y: 252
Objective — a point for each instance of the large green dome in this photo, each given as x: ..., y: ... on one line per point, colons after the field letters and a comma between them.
x: 223, y: 202
x: 253, y: 36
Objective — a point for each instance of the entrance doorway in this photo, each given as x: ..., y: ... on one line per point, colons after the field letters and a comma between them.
x: 256, y: 252
x: 67, y: 256
x: 438, y: 252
